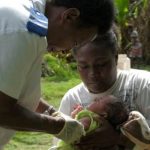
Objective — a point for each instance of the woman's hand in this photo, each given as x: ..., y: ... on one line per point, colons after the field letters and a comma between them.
x: 105, y: 137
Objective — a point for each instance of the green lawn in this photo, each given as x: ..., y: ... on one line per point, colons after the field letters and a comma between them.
x: 52, y: 92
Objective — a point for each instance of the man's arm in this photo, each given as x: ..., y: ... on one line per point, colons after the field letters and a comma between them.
x: 16, y: 117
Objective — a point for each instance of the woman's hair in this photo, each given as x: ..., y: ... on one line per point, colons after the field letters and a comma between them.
x: 106, y: 41
x: 92, y: 12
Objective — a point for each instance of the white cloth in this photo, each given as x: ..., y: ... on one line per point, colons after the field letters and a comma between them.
x: 39, y: 4
x: 141, y: 136
x: 20, y: 57
x: 132, y: 86
x: 72, y: 130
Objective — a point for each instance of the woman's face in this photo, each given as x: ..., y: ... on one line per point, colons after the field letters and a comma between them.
x: 97, y: 67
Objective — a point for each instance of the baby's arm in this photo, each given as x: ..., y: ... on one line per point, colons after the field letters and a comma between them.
x: 76, y: 110
x: 85, y: 121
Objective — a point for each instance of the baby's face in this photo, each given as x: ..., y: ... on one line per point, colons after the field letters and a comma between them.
x: 100, y: 106
x: 110, y: 108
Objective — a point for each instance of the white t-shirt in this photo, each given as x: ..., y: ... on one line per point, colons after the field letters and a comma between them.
x: 20, y: 56
x: 132, y: 87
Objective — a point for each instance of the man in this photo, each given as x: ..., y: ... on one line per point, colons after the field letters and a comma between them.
x: 23, y: 28
x: 97, y: 66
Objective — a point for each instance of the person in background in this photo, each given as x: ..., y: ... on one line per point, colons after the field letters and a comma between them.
x: 27, y: 29
x: 97, y: 67
x: 135, y: 52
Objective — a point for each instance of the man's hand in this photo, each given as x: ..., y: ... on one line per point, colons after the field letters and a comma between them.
x: 105, y: 137
x: 72, y: 130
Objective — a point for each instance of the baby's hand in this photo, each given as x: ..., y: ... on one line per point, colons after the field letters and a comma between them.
x: 86, y: 121
x: 77, y: 109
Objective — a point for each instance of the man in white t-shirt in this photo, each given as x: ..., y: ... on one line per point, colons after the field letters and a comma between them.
x: 97, y: 66
x: 23, y: 31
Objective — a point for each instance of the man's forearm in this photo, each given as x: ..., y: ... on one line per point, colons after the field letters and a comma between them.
x: 22, y: 119
x: 14, y: 116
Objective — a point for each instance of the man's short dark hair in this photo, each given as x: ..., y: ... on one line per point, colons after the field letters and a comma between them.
x: 92, y: 12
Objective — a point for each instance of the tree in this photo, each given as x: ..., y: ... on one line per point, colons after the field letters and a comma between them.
x: 143, y: 25
x: 127, y: 18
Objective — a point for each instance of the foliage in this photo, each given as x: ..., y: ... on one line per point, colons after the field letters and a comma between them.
x: 122, y: 9
x: 136, y: 7
x: 143, y: 26
x: 127, y: 12
x: 60, y: 68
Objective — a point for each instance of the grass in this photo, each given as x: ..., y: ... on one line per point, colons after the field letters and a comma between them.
x: 53, y: 92
x: 29, y: 141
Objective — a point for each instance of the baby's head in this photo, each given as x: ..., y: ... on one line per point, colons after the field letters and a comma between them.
x: 111, y: 108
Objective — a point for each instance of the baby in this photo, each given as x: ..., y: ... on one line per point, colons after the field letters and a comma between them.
x: 109, y: 107
x: 113, y: 110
